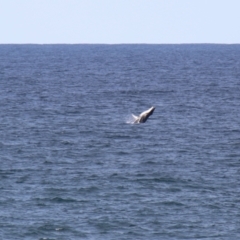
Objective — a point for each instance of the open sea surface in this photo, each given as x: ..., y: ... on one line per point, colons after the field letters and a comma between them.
x: 73, y: 167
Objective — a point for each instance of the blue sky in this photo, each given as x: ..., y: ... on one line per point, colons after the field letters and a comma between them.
x: 119, y: 21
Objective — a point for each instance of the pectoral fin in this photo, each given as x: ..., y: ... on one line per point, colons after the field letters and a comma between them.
x: 135, y: 117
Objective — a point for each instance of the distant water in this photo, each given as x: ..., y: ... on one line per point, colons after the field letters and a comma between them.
x: 72, y: 168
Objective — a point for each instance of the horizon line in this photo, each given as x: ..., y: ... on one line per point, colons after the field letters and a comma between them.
x: 199, y: 43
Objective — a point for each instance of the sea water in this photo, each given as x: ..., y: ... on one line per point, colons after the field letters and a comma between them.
x: 71, y: 165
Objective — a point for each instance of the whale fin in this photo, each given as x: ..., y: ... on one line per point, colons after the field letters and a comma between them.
x: 135, y: 117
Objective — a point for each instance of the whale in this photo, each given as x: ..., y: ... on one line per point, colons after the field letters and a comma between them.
x: 143, y: 117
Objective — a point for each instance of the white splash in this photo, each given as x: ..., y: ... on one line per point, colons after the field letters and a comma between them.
x: 130, y: 119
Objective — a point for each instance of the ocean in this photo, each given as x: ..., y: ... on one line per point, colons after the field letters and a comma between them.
x: 72, y: 165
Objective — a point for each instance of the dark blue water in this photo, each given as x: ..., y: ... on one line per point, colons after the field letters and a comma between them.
x: 71, y: 167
